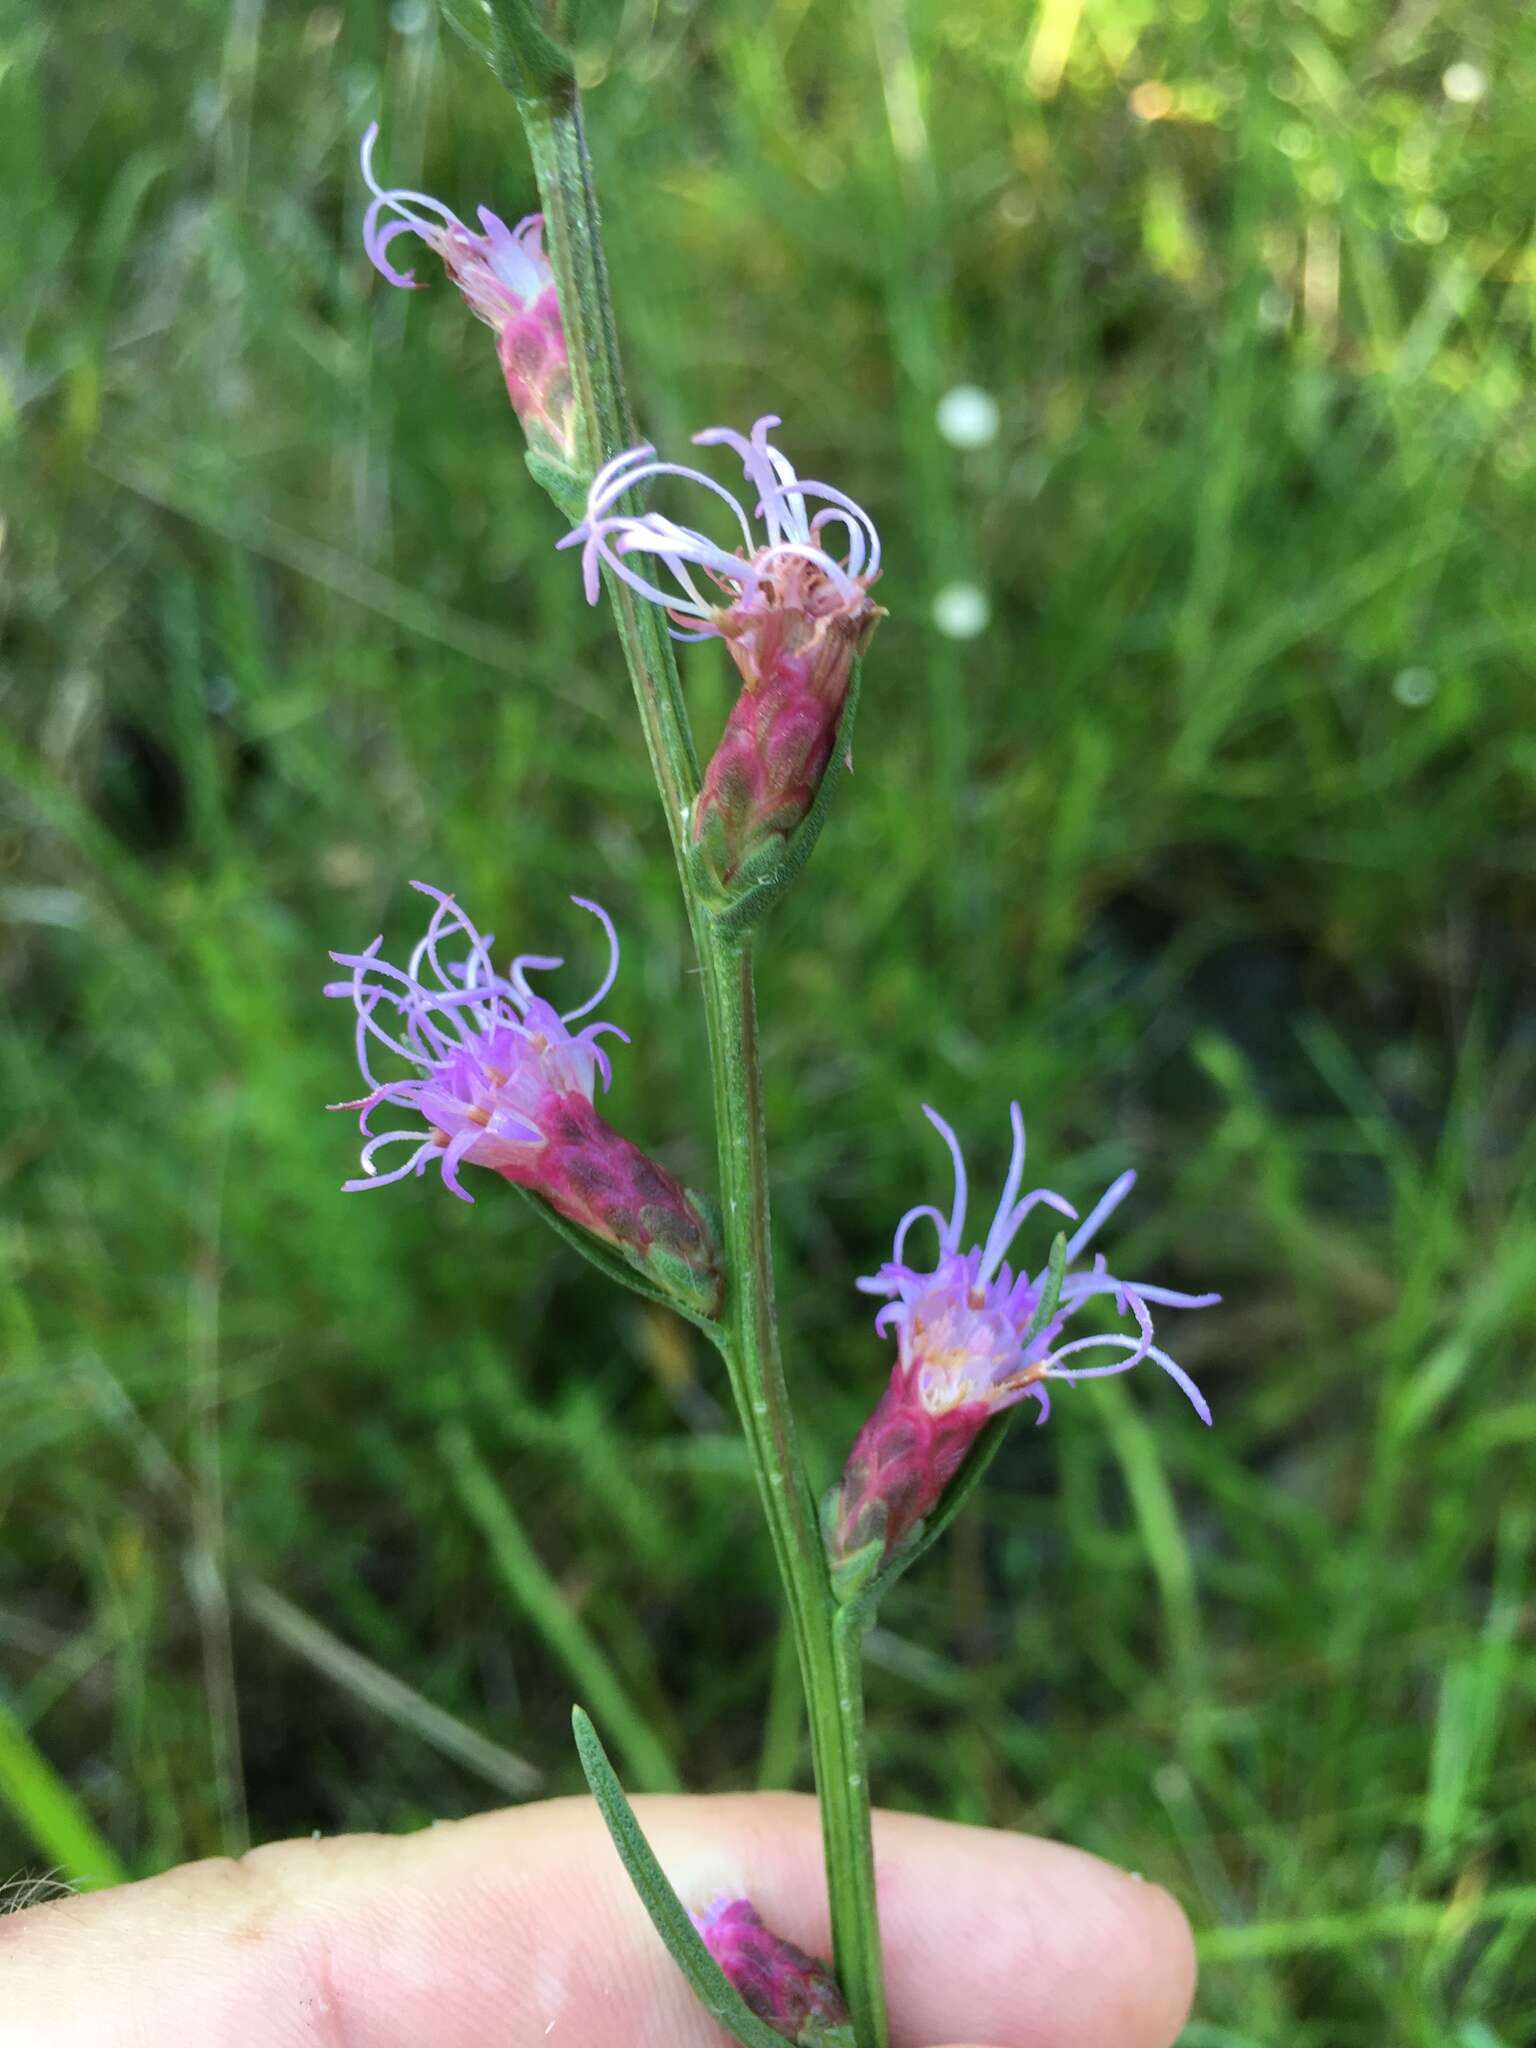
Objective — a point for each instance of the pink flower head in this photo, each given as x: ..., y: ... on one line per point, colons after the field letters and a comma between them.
x: 796, y: 1995
x: 793, y: 613
x: 506, y: 280
x: 966, y: 1351
x: 501, y: 1080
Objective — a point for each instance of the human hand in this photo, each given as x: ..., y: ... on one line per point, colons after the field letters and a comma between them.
x: 519, y: 1928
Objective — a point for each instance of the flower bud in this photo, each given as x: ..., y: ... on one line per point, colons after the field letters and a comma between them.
x: 507, y: 281
x: 973, y: 1338
x: 789, y: 1990
x: 503, y: 1082
x: 795, y: 617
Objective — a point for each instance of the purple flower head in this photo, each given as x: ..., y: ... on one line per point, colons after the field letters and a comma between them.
x: 506, y: 280
x: 789, y: 597
x: 501, y: 1080
x: 791, y: 1991
x: 966, y: 1349
x: 789, y: 546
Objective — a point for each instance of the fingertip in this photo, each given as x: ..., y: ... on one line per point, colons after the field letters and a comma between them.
x: 1001, y: 1938
x: 1170, y: 1963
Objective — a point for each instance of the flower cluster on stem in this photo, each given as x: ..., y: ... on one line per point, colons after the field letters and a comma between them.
x: 968, y: 1347
x: 794, y: 614
x: 503, y: 1081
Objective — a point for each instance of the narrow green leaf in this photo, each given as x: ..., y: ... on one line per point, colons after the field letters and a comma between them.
x: 564, y: 485
x: 1050, y: 1293
x: 526, y: 1577
x: 512, y: 40
x: 46, y: 1809
x: 682, y: 1940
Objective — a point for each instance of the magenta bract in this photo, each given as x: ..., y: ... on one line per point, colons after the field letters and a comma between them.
x: 793, y: 1992
x: 506, y: 280
x: 965, y: 1350
x: 502, y: 1081
x: 901, y: 1464
x: 794, y: 615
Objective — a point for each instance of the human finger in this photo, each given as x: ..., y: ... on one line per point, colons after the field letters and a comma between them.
x: 521, y: 1927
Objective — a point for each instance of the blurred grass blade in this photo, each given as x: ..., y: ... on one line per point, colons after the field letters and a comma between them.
x: 49, y: 1812
x: 778, y: 1761
x: 388, y: 1695
x: 669, y: 1917
x: 1135, y: 1446
x: 541, y: 1600
x: 1472, y: 1694
x: 1406, y: 1920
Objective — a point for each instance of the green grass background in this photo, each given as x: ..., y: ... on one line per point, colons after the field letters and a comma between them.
x: 1216, y: 848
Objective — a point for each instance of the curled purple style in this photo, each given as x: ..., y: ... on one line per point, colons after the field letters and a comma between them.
x: 791, y: 533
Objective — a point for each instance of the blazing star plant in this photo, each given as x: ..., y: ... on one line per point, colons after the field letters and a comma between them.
x: 490, y: 1074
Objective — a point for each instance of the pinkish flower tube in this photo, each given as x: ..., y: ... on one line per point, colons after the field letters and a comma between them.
x: 966, y: 1352
x: 501, y: 1080
x: 506, y: 281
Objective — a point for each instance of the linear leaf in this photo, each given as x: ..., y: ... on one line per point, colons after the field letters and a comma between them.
x: 669, y: 1916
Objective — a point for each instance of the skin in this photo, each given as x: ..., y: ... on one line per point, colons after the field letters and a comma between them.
x: 517, y: 1928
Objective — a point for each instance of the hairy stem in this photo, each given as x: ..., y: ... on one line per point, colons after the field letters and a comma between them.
x: 827, y: 1641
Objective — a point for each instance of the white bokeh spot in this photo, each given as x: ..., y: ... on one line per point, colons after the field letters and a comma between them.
x: 968, y: 417
x: 961, y: 611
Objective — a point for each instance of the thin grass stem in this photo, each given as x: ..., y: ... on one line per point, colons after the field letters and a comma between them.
x: 525, y: 1577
